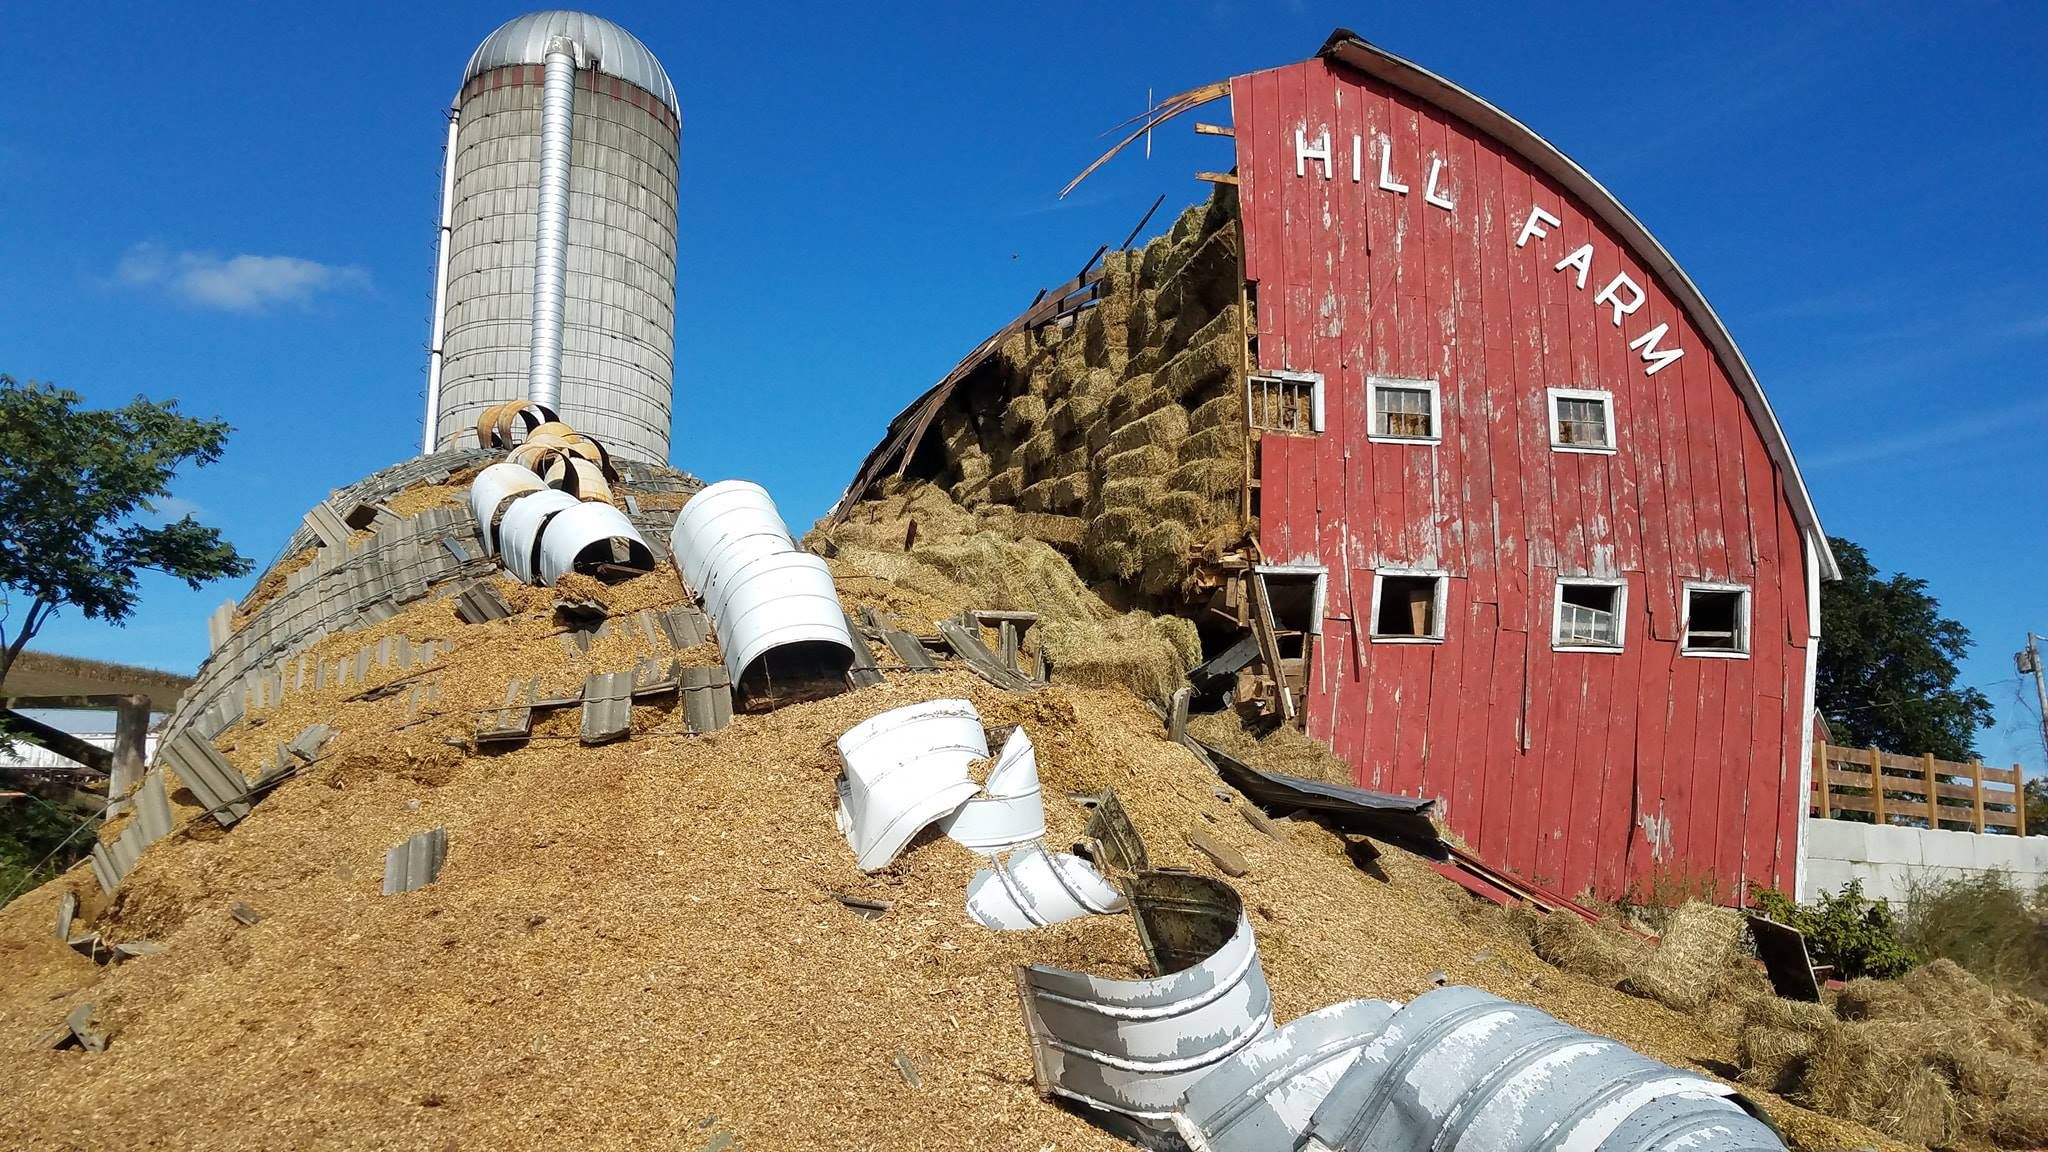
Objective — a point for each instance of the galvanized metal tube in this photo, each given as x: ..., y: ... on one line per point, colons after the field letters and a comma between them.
x: 551, y: 225
x: 431, y: 437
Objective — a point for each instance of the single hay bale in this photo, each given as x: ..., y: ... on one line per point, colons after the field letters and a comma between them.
x: 1025, y: 413
x: 1110, y: 546
x: 1163, y: 551
x: 1582, y: 949
x: 1037, y: 498
x: 1776, y: 1039
x: 1070, y: 462
x: 1165, y: 427
x: 1213, y: 479
x: 1921, y: 1110
x: 971, y: 467
x: 1219, y: 411
x: 1852, y: 1070
x: 1223, y: 442
x: 969, y: 494
x: 1072, y: 356
x: 1143, y: 322
x: 1117, y: 272
x: 1150, y: 460
x: 1004, y: 486
x: 1017, y: 353
x: 1945, y: 1002
x: 1728, y: 1000
x: 1206, y: 279
x: 1134, y: 493
x: 1071, y: 492
x: 1105, y: 337
x: 1199, y: 513
x: 2020, y: 1119
x: 1062, y: 532
x: 1143, y: 653
x: 1037, y: 451
x: 1040, y: 380
x: 1700, y: 942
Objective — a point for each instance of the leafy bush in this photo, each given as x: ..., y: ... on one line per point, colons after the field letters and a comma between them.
x: 1983, y: 923
x: 1856, y: 935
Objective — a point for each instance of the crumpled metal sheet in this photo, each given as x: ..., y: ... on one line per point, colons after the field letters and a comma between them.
x: 519, y: 533
x: 1133, y: 1047
x: 573, y: 531
x: 1034, y: 887
x: 906, y: 768
x: 1263, y: 1097
x: 1458, y: 1068
x: 1010, y: 810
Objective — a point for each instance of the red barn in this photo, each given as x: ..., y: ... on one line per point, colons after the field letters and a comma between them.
x: 1570, y: 567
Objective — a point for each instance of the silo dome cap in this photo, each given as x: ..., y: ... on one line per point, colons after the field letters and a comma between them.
x: 619, y: 53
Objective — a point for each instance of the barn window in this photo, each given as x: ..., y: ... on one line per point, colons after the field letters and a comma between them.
x: 1408, y: 607
x: 1716, y: 620
x: 1405, y: 410
x: 1588, y: 615
x: 1290, y: 403
x: 1581, y: 420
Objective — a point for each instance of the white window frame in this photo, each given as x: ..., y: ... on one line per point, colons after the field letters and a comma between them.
x: 1557, y: 443
x: 1373, y: 384
x: 1620, y: 587
x: 1315, y: 393
x: 1744, y: 628
x: 1322, y: 589
x: 1437, y: 612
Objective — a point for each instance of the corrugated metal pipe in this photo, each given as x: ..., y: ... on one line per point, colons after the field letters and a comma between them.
x: 551, y: 227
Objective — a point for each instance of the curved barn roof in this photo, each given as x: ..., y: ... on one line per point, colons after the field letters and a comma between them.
x: 1349, y: 48
x: 524, y: 40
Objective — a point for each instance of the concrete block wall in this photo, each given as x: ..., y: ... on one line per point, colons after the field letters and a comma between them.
x: 618, y: 339
x: 1889, y: 859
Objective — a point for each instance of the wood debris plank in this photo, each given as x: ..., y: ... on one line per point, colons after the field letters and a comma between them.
x: 909, y: 650
x: 975, y: 654
x: 1229, y: 859
x: 863, y: 674
x: 513, y: 721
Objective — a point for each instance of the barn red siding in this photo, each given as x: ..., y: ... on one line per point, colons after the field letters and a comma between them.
x: 1580, y: 770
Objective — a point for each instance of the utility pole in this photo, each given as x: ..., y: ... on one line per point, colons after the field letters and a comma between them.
x: 2029, y: 660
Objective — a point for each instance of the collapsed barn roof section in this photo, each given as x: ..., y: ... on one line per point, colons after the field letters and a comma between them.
x: 1354, y: 51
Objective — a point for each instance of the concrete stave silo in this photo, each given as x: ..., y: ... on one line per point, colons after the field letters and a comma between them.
x: 615, y: 250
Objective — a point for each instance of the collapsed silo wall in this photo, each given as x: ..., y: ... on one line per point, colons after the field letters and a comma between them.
x: 618, y: 340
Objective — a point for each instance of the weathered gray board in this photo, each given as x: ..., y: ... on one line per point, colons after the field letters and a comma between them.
x: 415, y: 863
x: 864, y: 674
x: 327, y: 525
x: 969, y: 647
x: 514, y: 721
x: 909, y: 650
x: 111, y: 862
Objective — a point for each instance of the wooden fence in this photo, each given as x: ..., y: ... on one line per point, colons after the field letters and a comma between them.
x: 1917, y: 791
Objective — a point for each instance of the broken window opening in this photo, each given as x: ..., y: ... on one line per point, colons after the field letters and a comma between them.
x: 1589, y: 614
x: 1716, y: 620
x: 1405, y: 410
x: 1581, y: 420
x: 1289, y: 403
x: 1408, y: 606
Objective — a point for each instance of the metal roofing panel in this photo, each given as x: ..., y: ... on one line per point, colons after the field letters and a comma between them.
x: 416, y: 863
x: 607, y: 707
x: 324, y: 522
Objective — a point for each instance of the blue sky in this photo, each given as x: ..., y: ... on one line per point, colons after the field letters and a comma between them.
x: 236, y: 208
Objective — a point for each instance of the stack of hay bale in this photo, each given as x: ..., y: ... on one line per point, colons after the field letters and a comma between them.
x: 1117, y: 435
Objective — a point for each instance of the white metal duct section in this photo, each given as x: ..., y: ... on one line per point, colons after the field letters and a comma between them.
x: 520, y: 530
x: 1459, y: 1068
x: 491, y: 489
x: 1010, y: 810
x: 551, y: 224
x: 905, y: 769
x: 1263, y: 1097
x: 1035, y: 887
x: 1134, y: 1047
x: 780, y: 625
x: 588, y: 534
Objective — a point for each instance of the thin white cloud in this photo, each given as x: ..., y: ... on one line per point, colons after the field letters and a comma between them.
x: 241, y: 283
x: 1943, y: 435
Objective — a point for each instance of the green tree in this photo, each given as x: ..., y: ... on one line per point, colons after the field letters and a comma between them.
x: 2037, y: 806
x: 1887, y: 671
x: 73, y: 483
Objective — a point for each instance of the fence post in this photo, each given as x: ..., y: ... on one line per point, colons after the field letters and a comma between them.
x: 1977, y: 792
x: 1927, y: 781
x: 1820, y: 773
x: 1876, y: 785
